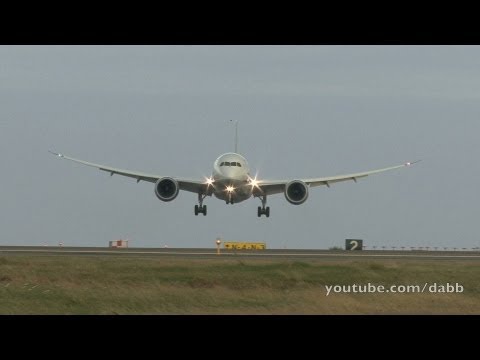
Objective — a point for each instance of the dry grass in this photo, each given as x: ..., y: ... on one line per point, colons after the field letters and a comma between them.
x: 129, y: 285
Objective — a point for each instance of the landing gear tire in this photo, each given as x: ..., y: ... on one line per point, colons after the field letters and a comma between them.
x: 263, y: 211
x: 200, y: 208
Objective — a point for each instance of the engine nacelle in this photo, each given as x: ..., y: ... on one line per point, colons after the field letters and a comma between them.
x: 296, y: 192
x: 166, y: 189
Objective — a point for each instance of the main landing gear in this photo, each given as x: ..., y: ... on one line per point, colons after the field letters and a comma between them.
x: 200, y: 208
x: 264, y: 210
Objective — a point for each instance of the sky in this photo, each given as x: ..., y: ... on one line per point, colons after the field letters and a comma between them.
x: 303, y: 111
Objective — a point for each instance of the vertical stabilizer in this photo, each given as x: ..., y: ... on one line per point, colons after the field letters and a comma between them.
x: 236, y: 136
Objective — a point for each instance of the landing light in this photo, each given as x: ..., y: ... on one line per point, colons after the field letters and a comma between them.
x: 230, y: 188
x: 209, y: 181
x: 253, y: 182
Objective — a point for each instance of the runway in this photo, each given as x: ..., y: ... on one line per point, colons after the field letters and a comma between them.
x: 290, y: 254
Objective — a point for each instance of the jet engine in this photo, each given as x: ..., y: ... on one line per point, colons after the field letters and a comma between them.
x: 166, y: 189
x: 296, y: 192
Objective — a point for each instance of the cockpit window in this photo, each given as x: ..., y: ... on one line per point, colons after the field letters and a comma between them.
x: 232, y: 163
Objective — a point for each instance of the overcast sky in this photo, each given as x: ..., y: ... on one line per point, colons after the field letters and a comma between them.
x: 303, y: 111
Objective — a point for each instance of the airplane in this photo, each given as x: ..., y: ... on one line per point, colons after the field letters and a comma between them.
x: 232, y: 182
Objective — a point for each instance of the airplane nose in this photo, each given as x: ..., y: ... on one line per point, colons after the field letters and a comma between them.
x: 230, y: 172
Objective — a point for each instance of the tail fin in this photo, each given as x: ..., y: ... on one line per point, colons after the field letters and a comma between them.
x: 236, y: 136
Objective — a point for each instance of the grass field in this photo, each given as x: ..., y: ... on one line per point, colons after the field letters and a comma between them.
x: 129, y: 285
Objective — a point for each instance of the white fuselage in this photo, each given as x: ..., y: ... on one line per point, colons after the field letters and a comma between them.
x: 231, y: 176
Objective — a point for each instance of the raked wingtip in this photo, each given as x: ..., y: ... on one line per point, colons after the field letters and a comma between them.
x: 54, y: 153
x: 412, y: 162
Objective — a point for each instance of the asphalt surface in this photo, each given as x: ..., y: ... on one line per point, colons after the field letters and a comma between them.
x: 296, y: 254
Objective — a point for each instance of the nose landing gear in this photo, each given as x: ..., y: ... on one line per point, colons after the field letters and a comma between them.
x: 229, y: 199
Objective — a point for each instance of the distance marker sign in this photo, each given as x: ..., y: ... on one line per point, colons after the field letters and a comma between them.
x: 353, y: 244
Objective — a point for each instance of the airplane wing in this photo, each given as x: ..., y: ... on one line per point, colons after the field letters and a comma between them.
x: 196, y: 186
x: 267, y: 187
